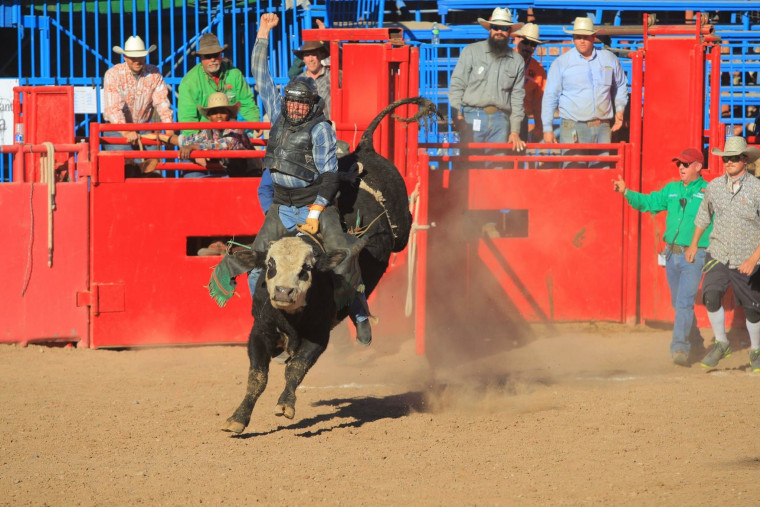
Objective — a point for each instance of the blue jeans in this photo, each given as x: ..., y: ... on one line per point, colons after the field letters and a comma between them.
x: 683, y: 280
x: 600, y: 134
x: 494, y: 128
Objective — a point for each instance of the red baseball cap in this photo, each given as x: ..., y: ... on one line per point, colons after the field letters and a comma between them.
x: 690, y: 155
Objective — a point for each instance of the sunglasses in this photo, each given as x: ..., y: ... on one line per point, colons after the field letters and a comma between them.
x: 681, y: 163
x: 214, y: 56
x: 499, y: 28
x: 733, y: 158
x: 529, y: 43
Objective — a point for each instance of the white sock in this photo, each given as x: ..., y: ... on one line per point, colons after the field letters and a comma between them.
x: 754, y: 334
x: 718, y: 323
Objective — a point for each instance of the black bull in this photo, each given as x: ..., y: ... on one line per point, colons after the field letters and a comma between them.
x: 298, y: 315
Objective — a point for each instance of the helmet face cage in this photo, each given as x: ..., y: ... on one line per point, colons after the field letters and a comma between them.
x: 302, y: 90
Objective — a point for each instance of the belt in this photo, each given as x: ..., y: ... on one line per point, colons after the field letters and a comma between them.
x: 594, y: 123
x: 491, y: 109
x: 678, y: 249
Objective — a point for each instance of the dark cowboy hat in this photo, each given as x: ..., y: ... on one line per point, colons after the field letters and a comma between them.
x: 208, y: 44
x: 312, y: 45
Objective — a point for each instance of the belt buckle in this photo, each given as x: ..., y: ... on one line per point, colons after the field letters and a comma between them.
x: 490, y: 109
x: 594, y: 123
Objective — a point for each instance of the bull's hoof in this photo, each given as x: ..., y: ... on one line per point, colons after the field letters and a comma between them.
x: 233, y: 426
x: 282, y: 409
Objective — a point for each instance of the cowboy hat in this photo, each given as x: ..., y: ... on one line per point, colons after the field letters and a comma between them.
x: 500, y: 17
x: 582, y: 26
x: 220, y: 100
x: 134, y: 47
x: 312, y: 45
x: 690, y: 155
x: 208, y: 44
x: 529, y: 31
x: 737, y: 146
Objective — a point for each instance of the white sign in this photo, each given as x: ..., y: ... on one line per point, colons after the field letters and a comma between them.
x: 6, y: 110
x: 86, y: 99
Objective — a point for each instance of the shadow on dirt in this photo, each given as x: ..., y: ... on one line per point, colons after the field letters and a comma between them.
x: 359, y: 410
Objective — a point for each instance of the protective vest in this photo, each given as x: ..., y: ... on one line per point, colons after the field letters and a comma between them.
x: 289, y: 150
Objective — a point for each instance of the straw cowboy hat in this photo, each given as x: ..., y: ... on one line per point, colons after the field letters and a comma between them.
x: 529, y: 31
x: 582, y: 26
x: 499, y: 16
x: 220, y: 100
x: 134, y: 47
x: 208, y: 44
x: 737, y: 146
x: 312, y: 45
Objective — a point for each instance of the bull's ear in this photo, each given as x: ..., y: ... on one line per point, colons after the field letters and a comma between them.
x: 247, y: 259
x: 329, y: 260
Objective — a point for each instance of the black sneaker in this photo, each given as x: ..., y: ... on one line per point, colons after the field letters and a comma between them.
x: 364, y: 333
x: 754, y: 361
x: 719, y: 351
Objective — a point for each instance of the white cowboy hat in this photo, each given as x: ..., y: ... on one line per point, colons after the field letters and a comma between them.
x: 529, y: 31
x: 219, y: 100
x: 501, y: 17
x: 737, y: 146
x: 582, y: 26
x: 134, y: 47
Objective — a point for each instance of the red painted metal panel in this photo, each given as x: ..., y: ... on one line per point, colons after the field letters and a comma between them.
x: 671, y: 64
x: 39, y: 303
x: 46, y: 113
x: 150, y: 290
x: 574, y: 235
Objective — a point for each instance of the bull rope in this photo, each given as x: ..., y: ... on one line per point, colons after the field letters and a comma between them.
x: 414, y: 207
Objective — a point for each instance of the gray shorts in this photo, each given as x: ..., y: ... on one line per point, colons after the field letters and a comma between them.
x: 718, y: 277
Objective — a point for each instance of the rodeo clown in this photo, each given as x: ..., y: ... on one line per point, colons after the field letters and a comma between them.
x: 301, y: 156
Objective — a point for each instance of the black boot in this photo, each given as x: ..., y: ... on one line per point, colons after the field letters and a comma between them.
x: 363, y: 333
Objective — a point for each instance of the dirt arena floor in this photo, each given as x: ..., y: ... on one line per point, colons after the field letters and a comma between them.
x: 576, y: 415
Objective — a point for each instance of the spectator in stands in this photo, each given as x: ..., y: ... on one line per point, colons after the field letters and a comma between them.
x: 590, y: 89
x: 132, y: 92
x: 312, y: 53
x: 219, y: 109
x: 732, y: 205
x: 301, y: 157
x: 487, y: 88
x: 526, y: 40
x: 680, y: 200
x: 214, y: 74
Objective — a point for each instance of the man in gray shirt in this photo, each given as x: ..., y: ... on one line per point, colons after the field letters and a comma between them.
x: 487, y: 88
x: 732, y: 202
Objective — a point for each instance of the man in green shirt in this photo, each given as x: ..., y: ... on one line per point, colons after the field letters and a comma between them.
x: 680, y: 200
x: 212, y: 75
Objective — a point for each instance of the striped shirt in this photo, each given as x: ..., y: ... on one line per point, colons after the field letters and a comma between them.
x: 132, y: 99
x: 322, y: 135
x: 736, y: 218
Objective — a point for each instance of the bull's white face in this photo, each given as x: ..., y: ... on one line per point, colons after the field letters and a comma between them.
x: 289, y: 266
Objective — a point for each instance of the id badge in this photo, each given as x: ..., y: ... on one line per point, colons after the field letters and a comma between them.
x: 661, y: 259
x: 476, y: 125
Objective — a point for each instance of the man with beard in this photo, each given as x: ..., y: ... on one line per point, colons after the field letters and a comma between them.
x: 526, y: 41
x: 214, y: 74
x: 732, y: 204
x: 487, y: 89
x: 590, y: 89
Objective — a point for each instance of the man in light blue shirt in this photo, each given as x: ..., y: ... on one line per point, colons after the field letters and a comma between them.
x: 590, y: 89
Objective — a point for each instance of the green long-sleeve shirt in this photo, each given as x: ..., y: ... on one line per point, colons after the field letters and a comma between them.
x: 679, y: 221
x: 196, y: 87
